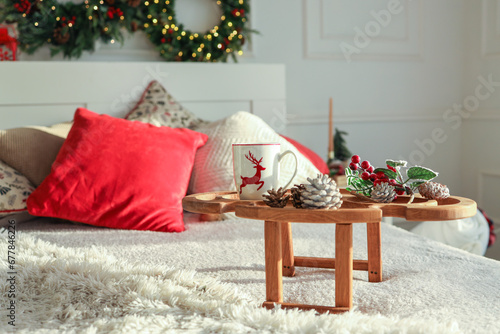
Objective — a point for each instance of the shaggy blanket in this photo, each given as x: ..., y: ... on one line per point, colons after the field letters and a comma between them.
x: 81, y: 279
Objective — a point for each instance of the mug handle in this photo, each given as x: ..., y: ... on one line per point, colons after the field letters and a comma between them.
x: 296, y: 165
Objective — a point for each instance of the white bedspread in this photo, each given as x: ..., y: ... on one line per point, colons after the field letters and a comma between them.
x: 423, y: 280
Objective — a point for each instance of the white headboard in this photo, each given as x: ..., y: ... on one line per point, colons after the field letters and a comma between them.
x: 45, y: 93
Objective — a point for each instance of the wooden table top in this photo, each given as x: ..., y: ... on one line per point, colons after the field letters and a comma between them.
x: 353, y: 209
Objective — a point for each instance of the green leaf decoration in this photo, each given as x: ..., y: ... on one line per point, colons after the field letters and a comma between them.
x: 396, y: 163
x: 389, y: 173
x: 414, y: 185
x: 421, y: 173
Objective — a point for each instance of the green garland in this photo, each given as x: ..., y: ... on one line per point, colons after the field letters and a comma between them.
x: 73, y: 28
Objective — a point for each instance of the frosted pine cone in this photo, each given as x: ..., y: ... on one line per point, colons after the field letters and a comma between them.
x: 433, y: 190
x: 321, y: 193
x: 276, y: 198
x: 383, y: 193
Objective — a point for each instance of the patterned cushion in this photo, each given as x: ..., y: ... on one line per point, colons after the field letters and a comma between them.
x: 159, y: 108
x: 14, y: 190
x: 213, y: 166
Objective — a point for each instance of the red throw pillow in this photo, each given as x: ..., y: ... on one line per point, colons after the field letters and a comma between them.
x: 310, y: 155
x: 121, y: 174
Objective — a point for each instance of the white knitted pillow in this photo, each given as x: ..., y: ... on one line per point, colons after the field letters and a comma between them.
x: 213, y: 165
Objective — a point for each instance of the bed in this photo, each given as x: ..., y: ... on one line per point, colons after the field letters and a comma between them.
x: 128, y: 277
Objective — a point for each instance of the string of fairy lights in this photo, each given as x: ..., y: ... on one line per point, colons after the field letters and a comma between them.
x: 73, y: 28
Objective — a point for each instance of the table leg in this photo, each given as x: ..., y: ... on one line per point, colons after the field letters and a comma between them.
x: 287, y: 249
x: 374, y: 234
x: 343, y: 265
x: 274, y: 281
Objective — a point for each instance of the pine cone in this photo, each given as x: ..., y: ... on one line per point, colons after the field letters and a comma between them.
x: 383, y: 193
x: 321, y: 193
x: 134, y: 3
x: 433, y: 190
x: 134, y: 26
x: 110, y: 2
x: 296, y: 190
x: 276, y: 198
x: 59, y: 37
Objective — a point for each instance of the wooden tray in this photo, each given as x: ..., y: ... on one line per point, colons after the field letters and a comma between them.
x: 353, y: 209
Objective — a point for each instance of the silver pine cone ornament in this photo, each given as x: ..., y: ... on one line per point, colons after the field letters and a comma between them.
x: 433, y: 190
x: 383, y: 193
x: 320, y: 193
x: 276, y: 198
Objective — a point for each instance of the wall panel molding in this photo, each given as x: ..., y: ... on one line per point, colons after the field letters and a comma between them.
x: 310, y: 118
x: 327, y: 35
x: 490, y: 28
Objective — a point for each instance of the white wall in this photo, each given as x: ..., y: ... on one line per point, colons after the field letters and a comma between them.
x: 391, y: 96
x: 481, y: 130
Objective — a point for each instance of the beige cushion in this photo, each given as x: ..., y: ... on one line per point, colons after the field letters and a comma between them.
x: 213, y: 166
x: 32, y: 150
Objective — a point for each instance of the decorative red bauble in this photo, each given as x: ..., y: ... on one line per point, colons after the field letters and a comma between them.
x: 8, y: 43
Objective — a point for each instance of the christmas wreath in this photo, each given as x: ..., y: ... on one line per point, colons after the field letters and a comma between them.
x: 73, y: 28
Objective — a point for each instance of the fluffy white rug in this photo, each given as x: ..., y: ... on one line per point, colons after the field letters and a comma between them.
x: 75, y: 278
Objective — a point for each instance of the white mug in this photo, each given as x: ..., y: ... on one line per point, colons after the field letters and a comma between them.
x: 256, y: 169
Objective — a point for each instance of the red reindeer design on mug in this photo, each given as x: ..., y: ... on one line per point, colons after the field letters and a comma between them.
x: 256, y: 178
x: 263, y: 161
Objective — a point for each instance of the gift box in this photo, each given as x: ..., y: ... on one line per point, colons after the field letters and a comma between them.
x: 8, y: 43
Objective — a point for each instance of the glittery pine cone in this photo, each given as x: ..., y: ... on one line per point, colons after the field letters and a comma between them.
x: 433, y: 190
x: 383, y: 193
x: 296, y: 201
x: 321, y: 193
x: 276, y: 198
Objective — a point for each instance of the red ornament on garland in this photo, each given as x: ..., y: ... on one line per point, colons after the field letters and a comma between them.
x: 8, y: 43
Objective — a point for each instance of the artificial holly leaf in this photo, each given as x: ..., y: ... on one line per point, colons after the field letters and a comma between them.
x: 395, y: 163
x: 416, y: 184
x: 387, y: 172
x: 420, y: 173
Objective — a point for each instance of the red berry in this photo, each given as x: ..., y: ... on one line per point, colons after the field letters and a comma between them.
x: 373, y: 177
x: 370, y: 169
x: 365, y: 164
x: 365, y: 176
x: 400, y: 191
x: 393, y: 182
x: 381, y: 175
x: 353, y: 166
x: 355, y: 159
